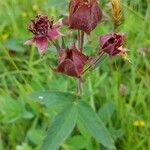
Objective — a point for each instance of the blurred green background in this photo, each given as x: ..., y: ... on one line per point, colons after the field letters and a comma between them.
x: 123, y: 87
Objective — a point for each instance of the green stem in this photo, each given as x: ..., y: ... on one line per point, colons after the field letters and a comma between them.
x: 91, y: 94
x: 80, y: 47
x: 79, y: 87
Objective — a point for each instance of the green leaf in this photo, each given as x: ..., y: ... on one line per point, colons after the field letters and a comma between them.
x: 95, y: 126
x: 60, y: 128
x: 106, y: 111
x: 28, y: 115
x: 84, y: 132
x: 24, y: 146
x: 53, y: 98
x: 117, y: 133
x: 35, y: 136
x: 12, y: 110
x: 15, y: 45
x: 77, y: 142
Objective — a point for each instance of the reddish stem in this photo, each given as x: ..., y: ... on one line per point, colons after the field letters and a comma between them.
x: 55, y: 43
x: 80, y: 40
x: 94, y: 63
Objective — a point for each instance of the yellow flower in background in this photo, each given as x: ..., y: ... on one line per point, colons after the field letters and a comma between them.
x: 24, y: 14
x: 139, y: 123
x: 5, y: 36
x: 35, y: 7
x: 116, y: 11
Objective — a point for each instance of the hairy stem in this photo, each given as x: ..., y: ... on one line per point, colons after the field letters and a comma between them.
x: 80, y: 40
x: 94, y: 63
x: 56, y: 45
x: 80, y: 47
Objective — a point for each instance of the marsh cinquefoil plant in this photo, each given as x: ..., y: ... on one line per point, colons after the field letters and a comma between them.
x: 84, y: 15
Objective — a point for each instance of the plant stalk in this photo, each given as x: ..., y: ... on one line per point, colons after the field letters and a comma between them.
x: 91, y: 94
x: 80, y: 40
x: 94, y: 63
x: 56, y: 45
x: 79, y: 87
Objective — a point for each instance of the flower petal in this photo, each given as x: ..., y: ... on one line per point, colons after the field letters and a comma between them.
x: 41, y: 44
x: 84, y: 15
x: 104, y: 38
x: 53, y: 34
x: 62, y: 54
x: 30, y: 41
x: 65, y: 21
x: 79, y: 60
x: 58, y: 24
x: 111, y: 42
x: 67, y: 67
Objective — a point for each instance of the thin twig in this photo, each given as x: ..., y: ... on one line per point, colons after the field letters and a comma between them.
x: 79, y: 39
x: 55, y: 43
x: 94, y: 63
x: 82, y: 40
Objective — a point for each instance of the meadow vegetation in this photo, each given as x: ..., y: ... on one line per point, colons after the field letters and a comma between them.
x: 120, y: 88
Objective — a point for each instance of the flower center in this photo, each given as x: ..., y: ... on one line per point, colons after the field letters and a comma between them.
x: 39, y: 25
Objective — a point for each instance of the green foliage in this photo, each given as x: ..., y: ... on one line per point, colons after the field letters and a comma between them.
x: 106, y: 111
x: 15, y: 45
x: 13, y: 110
x: 65, y: 121
x: 61, y: 127
x: 53, y: 98
x: 96, y: 127
x: 77, y: 142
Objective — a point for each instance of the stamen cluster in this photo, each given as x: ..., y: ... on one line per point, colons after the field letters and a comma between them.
x: 39, y: 25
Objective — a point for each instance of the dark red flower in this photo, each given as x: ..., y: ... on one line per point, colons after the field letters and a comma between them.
x: 71, y: 62
x: 112, y: 43
x: 84, y: 14
x: 43, y: 30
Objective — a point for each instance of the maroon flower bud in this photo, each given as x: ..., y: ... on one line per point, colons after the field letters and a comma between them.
x: 112, y: 43
x: 71, y: 62
x: 84, y: 14
x: 43, y: 30
x: 65, y: 21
